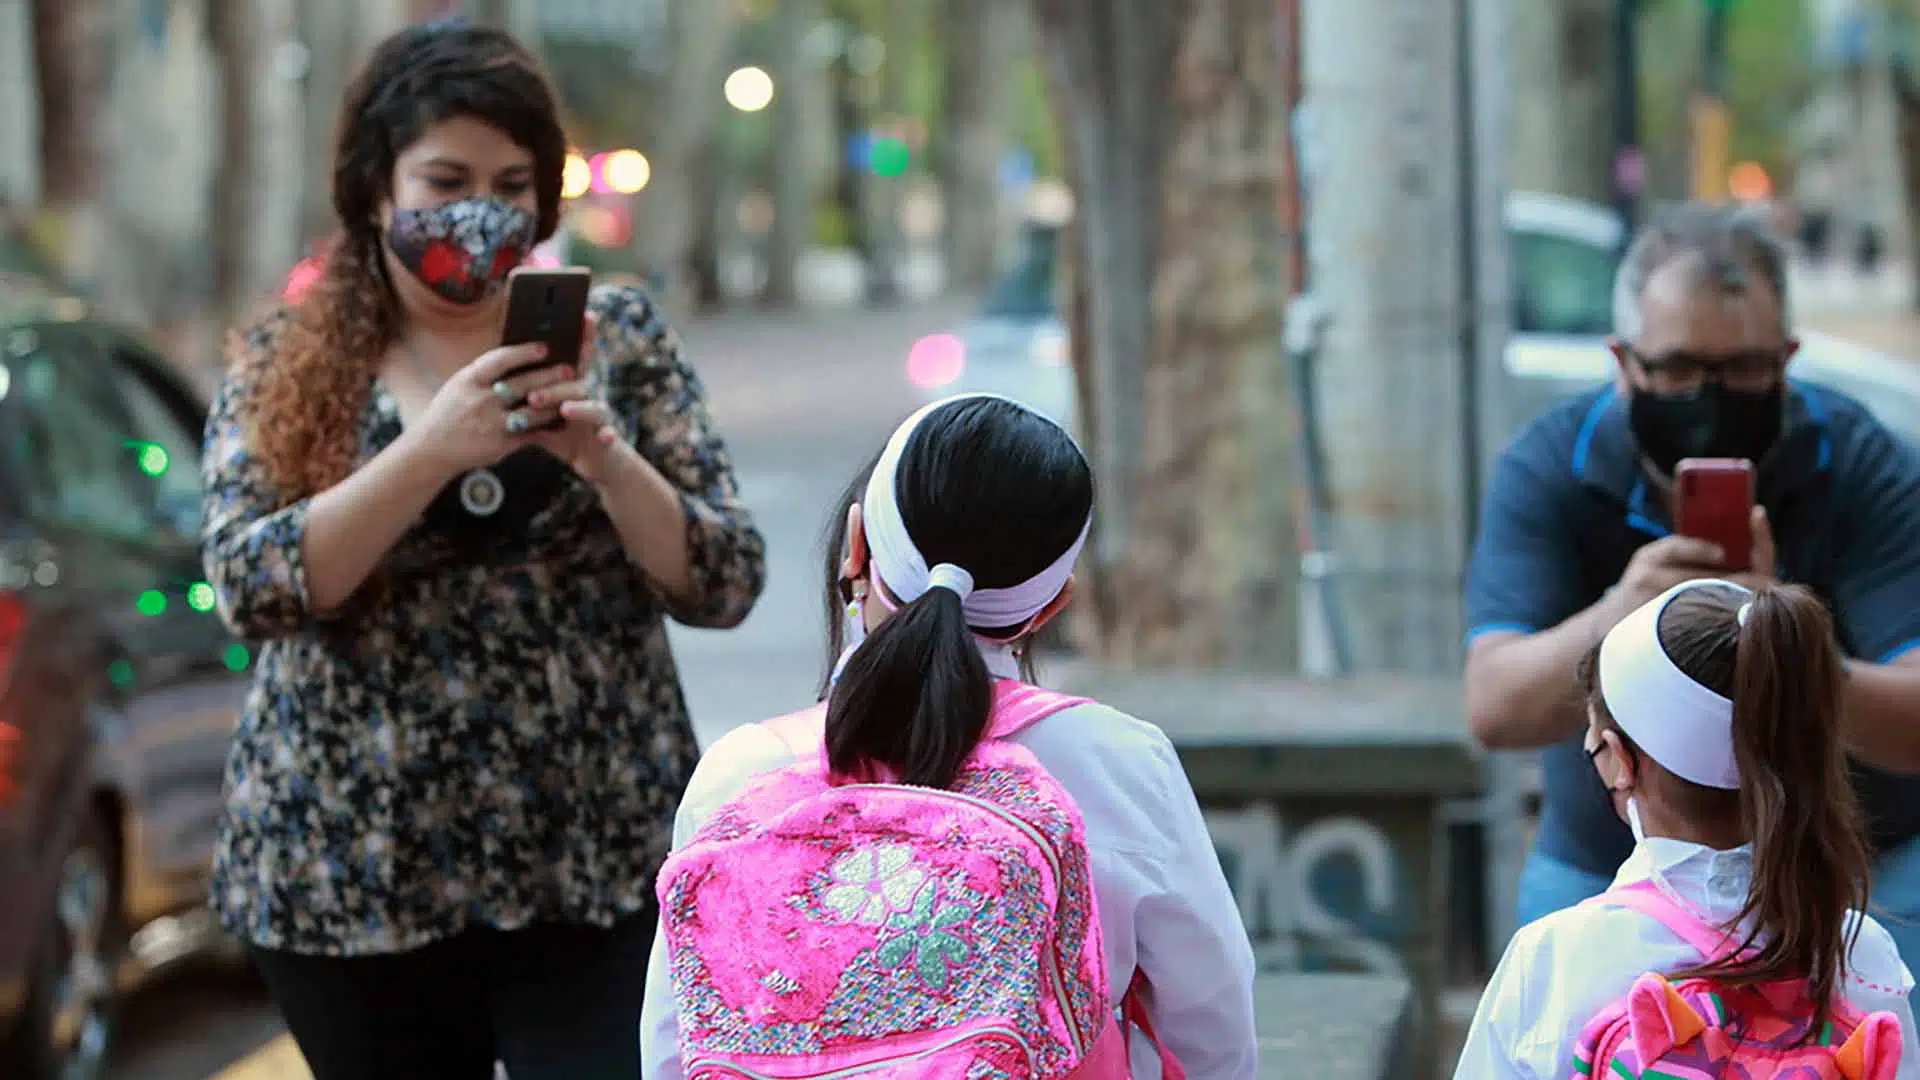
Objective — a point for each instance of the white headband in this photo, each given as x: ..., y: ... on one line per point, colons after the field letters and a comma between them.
x: 1681, y: 724
x: 904, y: 570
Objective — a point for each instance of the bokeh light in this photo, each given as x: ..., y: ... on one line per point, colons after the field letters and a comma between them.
x: 890, y: 156
x: 627, y: 171
x: 200, y: 596
x: 151, y: 603
x: 749, y: 89
x: 154, y: 459
x: 576, y: 178
x: 936, y: 360
x: 1749, y: 182
x: 237, y: 657
x: 120, y: 673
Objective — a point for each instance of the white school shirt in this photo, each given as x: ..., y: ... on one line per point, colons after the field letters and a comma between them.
x: 1561, y: 971
x: 1164, y: 903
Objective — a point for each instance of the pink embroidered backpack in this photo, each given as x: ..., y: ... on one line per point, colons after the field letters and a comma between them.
x: 817, y: 928
x: 1699, y: 1029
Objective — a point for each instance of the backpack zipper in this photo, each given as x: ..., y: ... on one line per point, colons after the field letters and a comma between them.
x: 1049, y: 958
x: 693, y: 1068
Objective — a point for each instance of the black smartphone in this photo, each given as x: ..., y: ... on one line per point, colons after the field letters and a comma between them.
x: 548, y: 306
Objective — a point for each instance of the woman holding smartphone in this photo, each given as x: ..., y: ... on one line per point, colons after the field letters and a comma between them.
x: 456, y: 774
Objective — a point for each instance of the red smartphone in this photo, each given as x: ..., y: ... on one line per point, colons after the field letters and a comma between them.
x: 549, y: 306
x: 1715, y: 503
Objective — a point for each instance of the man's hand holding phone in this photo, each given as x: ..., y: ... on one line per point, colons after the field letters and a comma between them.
x: 1667, y: 562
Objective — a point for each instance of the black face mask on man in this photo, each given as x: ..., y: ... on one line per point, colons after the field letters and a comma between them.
x: 1711, y: 422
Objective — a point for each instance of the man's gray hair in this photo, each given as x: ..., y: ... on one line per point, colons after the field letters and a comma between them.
x: 1732, y: 244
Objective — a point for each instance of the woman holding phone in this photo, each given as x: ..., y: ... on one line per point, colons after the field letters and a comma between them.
x: 456, y: 774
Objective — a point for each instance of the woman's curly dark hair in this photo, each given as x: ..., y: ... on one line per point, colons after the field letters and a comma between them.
x: 307, y: 397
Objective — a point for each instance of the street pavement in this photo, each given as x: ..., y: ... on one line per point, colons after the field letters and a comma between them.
x: 804, y: 399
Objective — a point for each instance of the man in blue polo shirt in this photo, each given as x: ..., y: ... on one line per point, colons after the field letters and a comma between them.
x: 1576, y: 533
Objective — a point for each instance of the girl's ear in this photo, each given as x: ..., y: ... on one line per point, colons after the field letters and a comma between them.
x: 853, y: 565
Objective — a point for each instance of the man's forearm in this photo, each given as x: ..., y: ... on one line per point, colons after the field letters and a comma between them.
x: 1883, y: 713
x: 1521, y: 689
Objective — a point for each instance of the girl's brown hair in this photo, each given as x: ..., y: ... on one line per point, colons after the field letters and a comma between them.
x: 308, y: 395
x: 1783, y: 672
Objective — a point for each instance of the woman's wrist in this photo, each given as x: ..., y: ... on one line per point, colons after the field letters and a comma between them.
x: 420, y: 459
x: 623, y: 469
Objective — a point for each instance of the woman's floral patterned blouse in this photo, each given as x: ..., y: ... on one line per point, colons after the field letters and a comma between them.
x: 495, y: 735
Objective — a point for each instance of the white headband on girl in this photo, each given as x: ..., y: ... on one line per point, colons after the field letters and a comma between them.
x: 1681, y: 724
x: 904, y: 570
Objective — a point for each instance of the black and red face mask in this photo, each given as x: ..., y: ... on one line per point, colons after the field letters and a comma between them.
x: 463, y: 250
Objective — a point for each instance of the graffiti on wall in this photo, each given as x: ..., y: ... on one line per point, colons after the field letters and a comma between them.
x: 1326, y: 895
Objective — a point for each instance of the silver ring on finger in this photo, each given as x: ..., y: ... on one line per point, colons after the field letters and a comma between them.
x: 503, y: 390
x: 518, y: 422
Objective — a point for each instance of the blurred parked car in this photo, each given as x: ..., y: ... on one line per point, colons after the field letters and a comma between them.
x: 1563, y: 255
x: 119, y: 687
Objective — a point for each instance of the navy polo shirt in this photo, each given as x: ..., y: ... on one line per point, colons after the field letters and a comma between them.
x: 1569, y: 504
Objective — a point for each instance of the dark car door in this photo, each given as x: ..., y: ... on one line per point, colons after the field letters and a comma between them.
x: 52, y: 643
x: 185, y: 677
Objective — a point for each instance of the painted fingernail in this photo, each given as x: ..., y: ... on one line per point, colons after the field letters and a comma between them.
x: 540, y: 349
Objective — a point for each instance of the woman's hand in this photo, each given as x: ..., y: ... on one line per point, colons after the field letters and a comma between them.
x: 588, y: 443
x: 481, y: 415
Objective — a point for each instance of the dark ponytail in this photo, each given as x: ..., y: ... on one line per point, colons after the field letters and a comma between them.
x: 996, y: 490
x: 1796, y: 798
x: 915, y: 697
x: 1783, y: 672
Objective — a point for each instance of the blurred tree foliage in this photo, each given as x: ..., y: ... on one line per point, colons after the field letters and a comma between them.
x: 1770, y: 76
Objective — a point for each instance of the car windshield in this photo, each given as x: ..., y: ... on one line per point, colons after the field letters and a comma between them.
x: 1561, y: 285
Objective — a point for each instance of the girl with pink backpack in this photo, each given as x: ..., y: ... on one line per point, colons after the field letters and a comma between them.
x: 942, y: 871
x: 1733, y: 943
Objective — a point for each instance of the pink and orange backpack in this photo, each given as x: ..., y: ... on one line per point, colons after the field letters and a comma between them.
x: 816, y: 927
x: 1699, y: 1029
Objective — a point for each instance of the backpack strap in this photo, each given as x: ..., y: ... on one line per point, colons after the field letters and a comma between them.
x: 1134, y: 1007
x: 1017, y: 706
x: 1711, y: 942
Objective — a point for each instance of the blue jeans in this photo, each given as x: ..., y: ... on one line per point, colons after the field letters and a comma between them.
x: 1548, y: 885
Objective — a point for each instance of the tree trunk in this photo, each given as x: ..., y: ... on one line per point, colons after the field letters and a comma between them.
x: 887, y: 256
x: 72, y: 50
x: 1908, y: 96
x: 1564, y: 97
x: 669, y: 212
x: 255, y: 190
x: 19, y: 108
x: 1176, y: 119
x: 793, y: 182
x: 982, y: 40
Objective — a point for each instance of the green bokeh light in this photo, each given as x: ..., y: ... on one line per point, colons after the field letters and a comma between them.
x: 891, y: 157
x: 152, y: 458
x: 152, y: 602
x: 237, y: 657
x: 200, y: 596
x: 120, y: 673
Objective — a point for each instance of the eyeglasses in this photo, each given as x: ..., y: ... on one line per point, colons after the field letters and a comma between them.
x: 1681, y: 372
